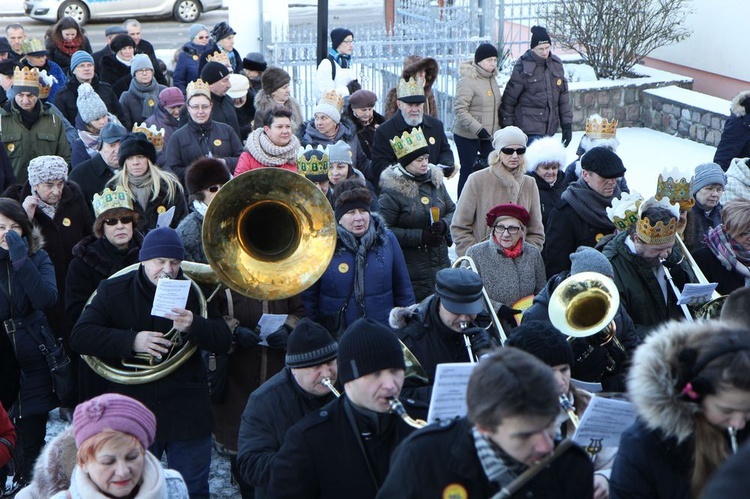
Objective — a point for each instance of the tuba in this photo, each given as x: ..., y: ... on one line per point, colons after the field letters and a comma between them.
x: 268, y: 234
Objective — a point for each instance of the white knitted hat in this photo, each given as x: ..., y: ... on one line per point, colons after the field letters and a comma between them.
x: 46, y: 168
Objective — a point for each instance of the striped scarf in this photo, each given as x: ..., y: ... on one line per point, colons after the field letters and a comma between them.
x: 495, y: 462
x: 729, y: 252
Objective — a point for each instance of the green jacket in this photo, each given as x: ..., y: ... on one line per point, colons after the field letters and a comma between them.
x: 46, y: 137
x: 640, y: 292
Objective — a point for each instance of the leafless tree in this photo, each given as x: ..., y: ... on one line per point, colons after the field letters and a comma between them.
x: 613, y: 35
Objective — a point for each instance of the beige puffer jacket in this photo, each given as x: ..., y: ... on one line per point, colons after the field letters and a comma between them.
x: 476, y: 102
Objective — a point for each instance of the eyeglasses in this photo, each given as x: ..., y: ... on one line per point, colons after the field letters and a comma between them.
x: 202, y: 107
x: 512, y: 230
x: 114, y: 221
x: 509, y: 151
x: 144, y: 71
x: 718, y: 189
x: 348, y: 41
x: 213, y: 188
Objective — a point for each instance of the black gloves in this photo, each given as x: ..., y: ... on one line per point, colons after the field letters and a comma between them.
x: 508, y: 314
x: 278, y: 338
x: 439, y: 228
x: 484, y: 134
x: 245, y: 337
x: 17, y: 247
x: 567, y: 134
x: 480, y: 340
x: 430, y: 239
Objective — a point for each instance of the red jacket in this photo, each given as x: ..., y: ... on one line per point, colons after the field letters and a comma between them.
x: 248, y: 162
x: 8, y: 432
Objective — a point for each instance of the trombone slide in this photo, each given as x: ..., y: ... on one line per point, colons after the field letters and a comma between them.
x: 472, y: 358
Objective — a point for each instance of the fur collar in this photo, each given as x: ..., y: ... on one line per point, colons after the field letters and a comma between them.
x: 737, y: 108
x: 394, y: 180
x: 54, y: 466
x: 511, y: 181
x: 35, y: 240
x: 400, y: 317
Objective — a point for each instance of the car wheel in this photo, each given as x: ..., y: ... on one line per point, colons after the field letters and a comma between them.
x: 74, y: 9
x: 187, y: 11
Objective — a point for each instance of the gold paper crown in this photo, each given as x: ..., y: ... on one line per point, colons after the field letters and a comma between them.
x: 44, y: 86
x: 408, y: 88
x: 624, y: 211
x: 221, y: 57
x: 408, y: 142
x: 332, y: 98
x: 675, y: 186
x: 109, y: 200
x: 31, y: 45
x: 154, y: 135
x: 197, y: 87
x: 658, y: 233
x: 600, y: 128
x: 312, y: 162
x: 26, y: 77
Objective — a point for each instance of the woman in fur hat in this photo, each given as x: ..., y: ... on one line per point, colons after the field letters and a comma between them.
x: 114, y: 67
x: 275, y: 91
x: 545, y: 160
x: 416, y: 66
x: 409, y: 193
x: 690, y: 384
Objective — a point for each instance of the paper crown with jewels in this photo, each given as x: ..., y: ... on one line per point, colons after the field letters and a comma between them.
x: 658, y: 233
x: 26, y: 77
x: 33, y: 46
x: 109, y: 200
x: 675, y: 185
x: 197, y: 87
x: 413, y: 87
x: 154, y: 135
x: 409, y: 143
x: 220, y: 57
x: 600, y: 128
x: 624, y: 211
x: 45, y: 83
x: 312, y: 163
x: 332, y: 98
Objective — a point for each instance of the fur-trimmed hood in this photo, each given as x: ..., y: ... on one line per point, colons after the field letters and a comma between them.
x: 737, y: 108
x: 393, y: 179
x: 53, y: 468
x: 400, y: 317
x: 413, y: 64
x: 263, y: 101
x: 470, y: 69
x: 35, y: 240
x: 653, y: 379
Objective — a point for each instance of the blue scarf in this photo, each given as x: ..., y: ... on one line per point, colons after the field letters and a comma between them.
x: 342, y: 60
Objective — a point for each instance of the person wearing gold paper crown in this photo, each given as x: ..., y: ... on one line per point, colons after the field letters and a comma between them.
x: 313, y: 165
x: 678, y: 188
x: 411, y: 113
x: 415, y: 204
x: 24, y: 119
x: 329, y: 126
x: 35, y: 56
x: 639, y: 256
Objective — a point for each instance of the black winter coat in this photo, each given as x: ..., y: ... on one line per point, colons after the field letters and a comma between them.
x: 324, y: 456
x: 66, y: 98
x: 212, y: 47
x: 728, y: 280
x: 60, y: 57
x: 107, y: 329
x: 145, y: 47
x: 443, y: 457
x: 115, y: 73
x: 383, y: 155
x: 271, y: 410
x: 549, y: 195
x: 7, y: 177
x: 91, y: 176
x: 735, y: 139
x: 366, y: 134
x: 193, y: 141
x: 10, y: 374
x: 699, y: 222
x: 155, y: 207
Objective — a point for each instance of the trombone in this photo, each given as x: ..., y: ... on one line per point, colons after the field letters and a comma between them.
x: 502, y: 338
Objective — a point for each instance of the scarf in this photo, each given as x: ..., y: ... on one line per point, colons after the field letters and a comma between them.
x: 495, y: 462
x: 147, y: 94
x: 69, y: 47
x: 360, y: 247
x: 269, y: 154
x: 589, y: 204
x: 200, y: 208
x: 153, y: 482
x: 514, y: 252
x: 28, y: 118
x: 729, y: 252
x: 90, y: 141
x: 47, y: 209
x: 343, y: 60
x: 141, y: 187
x: 127, y: 63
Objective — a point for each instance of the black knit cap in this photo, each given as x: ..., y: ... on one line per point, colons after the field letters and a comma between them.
x: 254, y: 61
x: 121, y: 41
x: 539, y: 35
x: 221, y: 30
x: 602, y: 161
x: 205, y: 172
x: 542, y: 340
x: 135, y: 144
x: 214, y: 71
x: 310, y: 344
x: 485, y: 51
x: 338, y: 35
x: 350, y: 194
x: 366, y: 347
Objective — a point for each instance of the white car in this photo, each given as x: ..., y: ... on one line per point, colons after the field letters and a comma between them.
x: 185, y: 11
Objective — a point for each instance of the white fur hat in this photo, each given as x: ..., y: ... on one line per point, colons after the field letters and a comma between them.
x: 545, y: 150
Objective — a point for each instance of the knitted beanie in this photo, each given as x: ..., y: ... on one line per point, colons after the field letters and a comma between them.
x: 136, y: 144
x: 115, y: 412
x: 338, y: 35
x: 340, y: 152
x: 708, y: 174
x: 78, y: 57
x: 221, y: 30
x: 162, y: 242
x: 587, y: 259
x: 329, y: 104
x: 508, y: 136
x: 366, y: 347
x: 539, y: 35
x: 140, y: 61
x: 213, y: 72
x: 90, y: 106
x: 205, y: 172
x: 195, y: 29
x: 350, y: 196
x: 484, y: 51
x: 542, y: 340
x: 273, y: 79
x: 47, y: 168
x: 310, y: 344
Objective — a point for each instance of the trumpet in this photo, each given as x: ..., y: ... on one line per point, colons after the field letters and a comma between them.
x: 398, y: 408
x: 568, y: 408
x: 329, y: 385
x: 732, y: 431
x: 472, y: 357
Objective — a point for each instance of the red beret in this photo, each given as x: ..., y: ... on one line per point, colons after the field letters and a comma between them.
x: 508, y: 210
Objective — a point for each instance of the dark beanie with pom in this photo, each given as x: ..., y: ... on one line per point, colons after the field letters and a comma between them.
x: 542, y: 340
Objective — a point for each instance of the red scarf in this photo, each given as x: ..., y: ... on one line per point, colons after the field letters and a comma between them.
x: 69, y: 47
x: 514, y: 252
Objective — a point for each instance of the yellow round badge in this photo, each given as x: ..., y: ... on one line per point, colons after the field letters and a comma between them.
x: 343, y: 268
x: 432, y: 141
x: 151, y: 102
x: 599, y: 237
x: 455, y: 491
x: 195, y: 57
x: 66, y: 222
x: 425, y: 200
x: 11, y: 147
x: 160, y: 210
x: 559, y: 82
x: 217, y: 142
x: 489, y: 93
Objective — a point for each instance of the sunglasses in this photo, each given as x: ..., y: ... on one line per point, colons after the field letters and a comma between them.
x: 509, y: 151
x: 202, y: 37
x: 213, y: 188
x: 113, y: 221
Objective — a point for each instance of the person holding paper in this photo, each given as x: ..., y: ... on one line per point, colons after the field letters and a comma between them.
x: 118, y: 323
x: 690, y: 384
x: 418, y: 209
x: 548, y: 344
x: 512, y: 401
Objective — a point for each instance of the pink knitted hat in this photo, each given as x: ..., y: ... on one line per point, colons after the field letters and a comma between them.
x: 116, y: 412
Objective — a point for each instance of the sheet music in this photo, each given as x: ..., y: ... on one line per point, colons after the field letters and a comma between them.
x: 269, y: 324
x: 449, y: 391
x: 604, y: 421
x: 170, y: 293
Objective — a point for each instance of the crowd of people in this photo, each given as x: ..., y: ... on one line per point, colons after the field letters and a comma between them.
x: 110, y: 167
